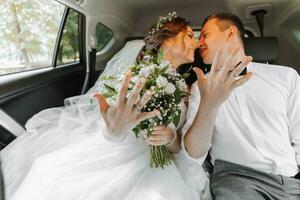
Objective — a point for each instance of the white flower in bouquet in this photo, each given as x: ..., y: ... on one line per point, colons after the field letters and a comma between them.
x: 170, y: 70
x: 170, y: 88
x: 181, y: 85
x: 161, y: 81
x: 163, y: 64
x: 145, y: 71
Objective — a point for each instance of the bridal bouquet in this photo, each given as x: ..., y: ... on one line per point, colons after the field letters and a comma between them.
x: 168, y: 89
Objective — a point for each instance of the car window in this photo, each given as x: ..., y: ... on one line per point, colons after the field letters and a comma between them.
x: 197, y: 33
x: 28, y: 32
x: 69, y: 45
x: 104, y: 35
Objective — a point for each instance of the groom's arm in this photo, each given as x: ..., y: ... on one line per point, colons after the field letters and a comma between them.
x: 294, y: 114
x: 197, y: 140
x: 215, y: 89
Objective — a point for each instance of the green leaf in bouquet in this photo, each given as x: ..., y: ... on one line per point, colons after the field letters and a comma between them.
x: 109, y: 95
x: 110, y: 88
x: 169, y: 119
x: 136, y: 131
x: 177, y: 94
x: 148, y: 52
x: 150, y: 82
x: 185, y: 75
x: 135, y: 69
x: 160, y: 56
x: 141, y: 126
x: 109, y: 91
x: 107, y: 78
x: 155, y: 73
x: 164, y: 69
x: 176, y: 118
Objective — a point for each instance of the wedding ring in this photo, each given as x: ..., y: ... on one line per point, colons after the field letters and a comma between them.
x: 234, y: 74
x: 138, y: 108
x: 238, y: 64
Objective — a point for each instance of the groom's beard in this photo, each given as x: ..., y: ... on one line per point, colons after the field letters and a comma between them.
x: 188, y: 68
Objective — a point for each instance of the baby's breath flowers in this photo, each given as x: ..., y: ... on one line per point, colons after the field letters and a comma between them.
x: 168, y: 89
x: 162, y: 21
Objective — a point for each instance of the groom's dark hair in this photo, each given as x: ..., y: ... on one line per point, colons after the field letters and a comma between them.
x: 225, y: 20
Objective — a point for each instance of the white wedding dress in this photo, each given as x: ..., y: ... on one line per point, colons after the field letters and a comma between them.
x: 64, y: 156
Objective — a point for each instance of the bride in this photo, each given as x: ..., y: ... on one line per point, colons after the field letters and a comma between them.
x: 85, y: 151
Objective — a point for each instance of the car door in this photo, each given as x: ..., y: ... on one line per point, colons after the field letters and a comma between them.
x: 43, y: 61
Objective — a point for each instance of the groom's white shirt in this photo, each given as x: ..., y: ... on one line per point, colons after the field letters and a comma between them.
x: 259, y: 124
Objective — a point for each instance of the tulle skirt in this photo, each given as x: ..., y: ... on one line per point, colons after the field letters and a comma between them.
x: 64, y: 156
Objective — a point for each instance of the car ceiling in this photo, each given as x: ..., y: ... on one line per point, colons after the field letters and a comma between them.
x: 134, y: 17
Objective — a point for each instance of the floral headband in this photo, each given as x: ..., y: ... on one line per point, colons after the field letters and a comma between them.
x: 162, y: 21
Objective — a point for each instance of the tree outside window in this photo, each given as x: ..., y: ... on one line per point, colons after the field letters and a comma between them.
x: 28, y: 32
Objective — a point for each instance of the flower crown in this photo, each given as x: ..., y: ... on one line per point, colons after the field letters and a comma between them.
x: 162, y: 21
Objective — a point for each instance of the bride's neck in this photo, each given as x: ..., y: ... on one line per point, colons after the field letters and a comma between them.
x: 167, y: 55
x: 172, y: 60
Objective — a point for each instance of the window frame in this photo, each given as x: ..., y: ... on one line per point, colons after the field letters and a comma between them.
x: 81, y: 37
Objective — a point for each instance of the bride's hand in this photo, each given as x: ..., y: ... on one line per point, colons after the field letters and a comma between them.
x: 120, y: 118
x: 222, y: 79
x: 161, y: 135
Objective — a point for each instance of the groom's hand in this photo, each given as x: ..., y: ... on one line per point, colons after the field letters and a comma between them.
x: 120, y: 118
x: 222, y: 79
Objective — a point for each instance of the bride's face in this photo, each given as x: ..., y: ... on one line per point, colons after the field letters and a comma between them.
x: 182, y: 47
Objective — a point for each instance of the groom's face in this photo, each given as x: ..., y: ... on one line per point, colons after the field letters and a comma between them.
x: 211, y: 39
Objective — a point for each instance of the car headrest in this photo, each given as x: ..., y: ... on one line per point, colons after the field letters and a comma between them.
x: 262, y: 49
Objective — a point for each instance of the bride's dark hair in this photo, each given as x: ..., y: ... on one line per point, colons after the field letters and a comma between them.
x: 153, y: 40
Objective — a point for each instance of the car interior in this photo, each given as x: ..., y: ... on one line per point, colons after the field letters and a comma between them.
x: 273, y: 36
x: 102, y: 28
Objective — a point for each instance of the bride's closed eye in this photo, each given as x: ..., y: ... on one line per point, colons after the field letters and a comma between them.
x: 190, y: 35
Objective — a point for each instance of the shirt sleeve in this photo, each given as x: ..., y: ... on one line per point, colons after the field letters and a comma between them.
x: 294, y: 115
x: 200, y: 160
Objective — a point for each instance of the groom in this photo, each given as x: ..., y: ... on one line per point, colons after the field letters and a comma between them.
x: 255, y: 145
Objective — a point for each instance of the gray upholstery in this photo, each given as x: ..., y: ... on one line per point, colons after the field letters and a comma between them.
x: 262, y: 49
